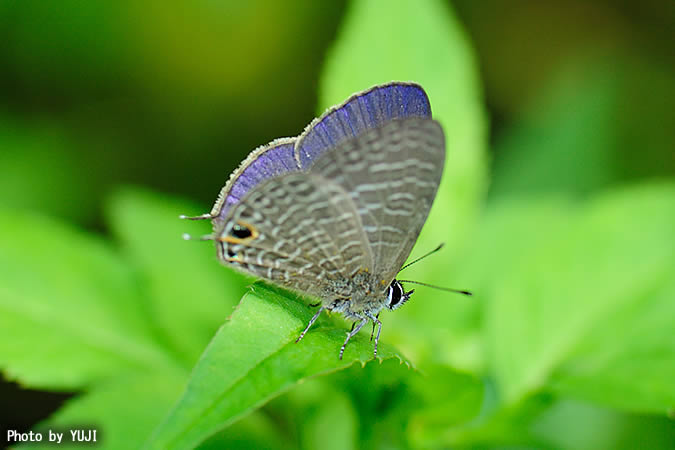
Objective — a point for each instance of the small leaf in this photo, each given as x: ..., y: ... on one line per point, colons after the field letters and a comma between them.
x: 70, y: 305
x: 191, y: 293
x: 253, y: 358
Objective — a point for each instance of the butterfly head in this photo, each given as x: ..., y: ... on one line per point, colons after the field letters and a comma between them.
x: 396, y: 295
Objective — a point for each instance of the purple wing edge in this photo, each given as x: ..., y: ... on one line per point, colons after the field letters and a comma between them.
x: 353, y: 97
x: 215, y: 214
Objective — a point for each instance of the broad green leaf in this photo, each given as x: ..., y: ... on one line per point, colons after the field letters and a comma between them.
x: 70, y: 310
x: 191, y: 292
x: 635, y: 373
x: 504, y: 230
x: 589, y: 304
x: 123, y: 411
x: 253, y: 358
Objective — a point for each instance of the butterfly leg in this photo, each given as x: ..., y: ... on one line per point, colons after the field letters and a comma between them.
x: 351, y: 334
x: 373, y: 331
x: 309, y: 325
x: 375, y: 320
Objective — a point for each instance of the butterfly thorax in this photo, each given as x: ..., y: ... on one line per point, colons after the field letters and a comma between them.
x: 357, y: 296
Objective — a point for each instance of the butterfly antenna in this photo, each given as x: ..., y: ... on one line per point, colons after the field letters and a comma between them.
x: 424, y: 256
x: 456, y: 291
x: 200, y: 217
x: 206, y: 237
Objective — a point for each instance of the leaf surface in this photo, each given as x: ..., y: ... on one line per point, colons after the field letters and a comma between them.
x: 253, y: 358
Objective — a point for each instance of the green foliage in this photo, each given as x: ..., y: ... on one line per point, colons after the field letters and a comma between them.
x: 571, y: 329
x: 190, y: 294
x: 252, y: 358
x: 567, y: 342
x: 71, y: 305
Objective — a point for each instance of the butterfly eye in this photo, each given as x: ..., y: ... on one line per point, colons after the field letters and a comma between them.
x: 396, y: 295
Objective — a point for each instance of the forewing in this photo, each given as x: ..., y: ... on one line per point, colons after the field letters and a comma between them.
x: 362, y: 111
x: 298, y: 230
x: 273, y: 159
x: 392, y: 174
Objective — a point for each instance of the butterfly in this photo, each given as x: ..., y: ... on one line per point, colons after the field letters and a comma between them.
x: 334, y: 212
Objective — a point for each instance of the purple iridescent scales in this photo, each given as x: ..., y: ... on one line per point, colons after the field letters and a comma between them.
x: 363, y: 111
x: 271, y: 160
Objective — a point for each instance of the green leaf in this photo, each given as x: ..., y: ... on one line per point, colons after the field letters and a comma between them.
x: 590, y: 303
x: 191, y: 293
x: 123, y: 412
x: 636, y: 373
x: 253, y: 358
x: 458, y: 339
x: 70, y: 306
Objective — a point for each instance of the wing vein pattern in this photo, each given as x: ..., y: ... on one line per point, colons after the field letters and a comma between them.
x: 392, y: 174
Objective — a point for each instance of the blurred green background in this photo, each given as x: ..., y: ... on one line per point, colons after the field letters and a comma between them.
x: 575, y: 104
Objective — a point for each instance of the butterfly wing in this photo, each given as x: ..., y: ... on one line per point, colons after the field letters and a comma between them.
x: 392, y: 174
x: 298, y: 230
x: 270, y: 160
x: 362, y: 111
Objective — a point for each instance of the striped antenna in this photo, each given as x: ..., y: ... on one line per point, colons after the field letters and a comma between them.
x: 200, y: 217
x: 206, y: 237
x: 456, y: 291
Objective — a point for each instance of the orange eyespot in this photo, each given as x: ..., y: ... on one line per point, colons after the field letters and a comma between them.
x: 241, y: 232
